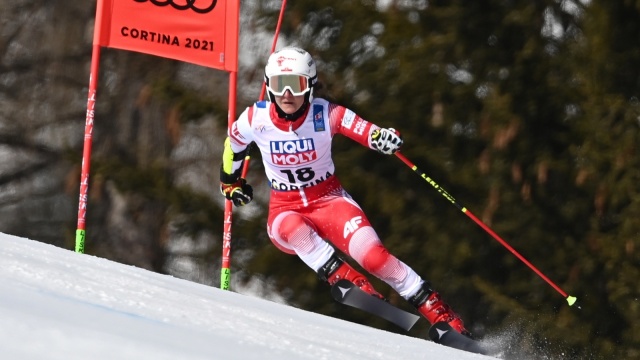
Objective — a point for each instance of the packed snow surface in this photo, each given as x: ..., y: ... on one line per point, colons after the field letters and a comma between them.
x: 58, y: 304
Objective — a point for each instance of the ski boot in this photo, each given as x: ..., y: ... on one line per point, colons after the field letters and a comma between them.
x: 429, y: 304
x: 336, y: 268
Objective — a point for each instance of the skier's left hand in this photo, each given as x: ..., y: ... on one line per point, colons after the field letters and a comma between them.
x: 386, y: 141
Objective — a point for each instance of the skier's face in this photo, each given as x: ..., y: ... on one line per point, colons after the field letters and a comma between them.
x: 289, y: 103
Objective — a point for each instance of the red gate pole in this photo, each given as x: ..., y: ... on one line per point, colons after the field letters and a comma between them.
x: 88, y: 132
x: 225, y: 271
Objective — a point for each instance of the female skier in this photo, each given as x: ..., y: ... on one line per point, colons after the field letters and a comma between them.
x: 310, y: 214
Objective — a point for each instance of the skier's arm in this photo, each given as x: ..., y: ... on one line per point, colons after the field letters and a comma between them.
x: 349, y: 124
x: 232, y: 186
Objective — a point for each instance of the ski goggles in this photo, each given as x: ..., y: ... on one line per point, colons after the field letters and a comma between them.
x: 296, y: 84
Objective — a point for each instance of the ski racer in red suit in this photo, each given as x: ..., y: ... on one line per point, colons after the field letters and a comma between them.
x: 310, y: 214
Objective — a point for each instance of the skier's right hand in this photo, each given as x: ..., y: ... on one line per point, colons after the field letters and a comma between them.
x: 239, y: 192
x: 386, y: 141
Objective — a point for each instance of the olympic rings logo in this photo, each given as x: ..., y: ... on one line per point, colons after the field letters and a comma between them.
x: 189, y: 4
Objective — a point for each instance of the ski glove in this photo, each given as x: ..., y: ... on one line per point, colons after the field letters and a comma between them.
x: 386, y: 141
x: 239, y: 192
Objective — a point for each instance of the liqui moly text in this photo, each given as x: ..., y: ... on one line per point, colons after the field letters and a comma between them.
x: 293, y: 152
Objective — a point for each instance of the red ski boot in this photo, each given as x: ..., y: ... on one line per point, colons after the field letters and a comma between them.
x: 336, y: 269
x: 429, y: 304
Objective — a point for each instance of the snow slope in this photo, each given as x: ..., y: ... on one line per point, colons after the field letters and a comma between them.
x: 57, y: 304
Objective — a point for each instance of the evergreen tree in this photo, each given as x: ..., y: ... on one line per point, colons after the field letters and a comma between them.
x: 608, y: 170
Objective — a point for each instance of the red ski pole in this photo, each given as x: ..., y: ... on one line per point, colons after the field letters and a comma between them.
x: 570, y: 299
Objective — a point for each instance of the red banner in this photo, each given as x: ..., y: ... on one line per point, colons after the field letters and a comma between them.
x: 203, y: 32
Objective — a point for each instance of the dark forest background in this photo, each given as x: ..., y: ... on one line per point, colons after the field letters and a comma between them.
x: 527, y: 112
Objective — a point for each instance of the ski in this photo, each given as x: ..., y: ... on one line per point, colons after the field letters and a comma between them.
x: 345, y: 292
x: 442, y: 333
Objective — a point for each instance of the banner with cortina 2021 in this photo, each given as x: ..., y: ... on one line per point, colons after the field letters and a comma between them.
x: 195, y: 31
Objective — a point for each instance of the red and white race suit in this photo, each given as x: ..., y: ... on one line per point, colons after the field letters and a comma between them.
x: 307, y: 202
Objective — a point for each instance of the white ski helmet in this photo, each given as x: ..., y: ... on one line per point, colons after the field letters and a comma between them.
x: 292, y: 69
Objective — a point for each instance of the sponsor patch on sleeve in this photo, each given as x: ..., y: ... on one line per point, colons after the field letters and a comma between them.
x: 347, y: 119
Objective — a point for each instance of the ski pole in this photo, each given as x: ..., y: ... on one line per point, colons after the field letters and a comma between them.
x: 570, y: 299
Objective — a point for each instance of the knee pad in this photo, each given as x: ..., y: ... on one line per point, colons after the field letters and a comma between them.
x: 282, y: 229
x: 290, y: 224
x: 376, y: 259
x: 294, y: 233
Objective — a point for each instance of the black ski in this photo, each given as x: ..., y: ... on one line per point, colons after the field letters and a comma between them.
x: 442, y: 333
x: 347, y: 293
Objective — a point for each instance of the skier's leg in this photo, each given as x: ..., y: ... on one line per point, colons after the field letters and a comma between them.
x: 368, y: 251
x: 347, y: 227
x: 293, y: 233
x: 336, y: 268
